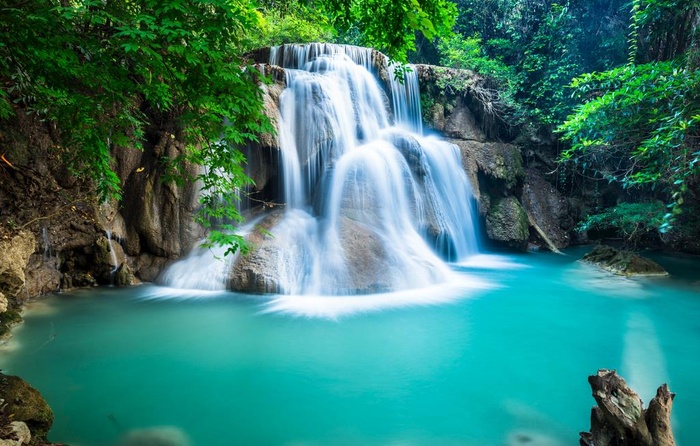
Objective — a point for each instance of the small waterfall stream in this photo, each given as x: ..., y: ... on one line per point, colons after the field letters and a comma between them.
x: 371, y: 203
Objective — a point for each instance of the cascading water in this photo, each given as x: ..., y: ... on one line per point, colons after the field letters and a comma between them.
x: 371, y: 204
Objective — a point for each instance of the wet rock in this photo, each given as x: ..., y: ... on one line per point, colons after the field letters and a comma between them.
x: 271, y: 262
x: 108, y: 255
x: 77, y: 279
x: 258, y: 271
x: 14, y: 257
x: 494, y: 170
x: 24, y: 403
x: 623, y: 263
x: 548, y: 208
x: 507, y: 222
x: 18, y: 434
x: 367, y: 271
x: 124, y: 276
x: 42, y: 275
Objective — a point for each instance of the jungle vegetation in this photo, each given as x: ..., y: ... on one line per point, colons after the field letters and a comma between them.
x: 616, y: 82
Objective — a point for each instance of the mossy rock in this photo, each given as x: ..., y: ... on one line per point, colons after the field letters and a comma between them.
x: 623, y: 263
x: 507, y: 222
x: 9, y: 319
x: 25, y: 403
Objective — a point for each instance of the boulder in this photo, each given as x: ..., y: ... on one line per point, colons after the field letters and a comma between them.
x: 124, y: 276
x: 272, y: 261
x: 24, y: 403
x: 14, y: 257
x: 365, y: 259
x: 18, y: 434
x: 258, y: 271
x: 507, y: 223
x: 623, y: 263
x: 108, y: 256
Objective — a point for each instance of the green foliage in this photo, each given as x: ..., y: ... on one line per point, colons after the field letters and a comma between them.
x: 101, y: 72
x: 390, y: 26
x: 640, y: 127
x: 632, y: 221
x: 534, y: 48
x: 296, y: 23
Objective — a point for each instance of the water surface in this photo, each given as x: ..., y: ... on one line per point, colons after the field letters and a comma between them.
x: 503, y: 364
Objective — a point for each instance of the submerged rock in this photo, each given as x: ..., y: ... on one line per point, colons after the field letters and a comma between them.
x: 623, y: 263
x: 156, y: 436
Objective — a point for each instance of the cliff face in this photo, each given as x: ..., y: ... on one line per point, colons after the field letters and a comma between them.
x: 68, y: 239
x: 519, y: 204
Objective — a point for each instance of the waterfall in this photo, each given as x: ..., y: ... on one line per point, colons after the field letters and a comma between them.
x: 371, y: 203
x: 113, y: 256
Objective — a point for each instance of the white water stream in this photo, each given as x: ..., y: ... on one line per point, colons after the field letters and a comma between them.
x: 366, y: 192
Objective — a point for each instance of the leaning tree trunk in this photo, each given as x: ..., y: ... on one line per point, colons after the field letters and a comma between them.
x: 621, y: 420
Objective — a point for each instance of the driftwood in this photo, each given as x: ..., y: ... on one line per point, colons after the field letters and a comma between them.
x: 620, y: 418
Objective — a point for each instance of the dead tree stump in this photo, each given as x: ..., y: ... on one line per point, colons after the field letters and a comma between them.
x: 620, y: 418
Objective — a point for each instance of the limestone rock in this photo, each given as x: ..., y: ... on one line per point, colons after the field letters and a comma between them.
x: 461, y: 123
x: 108, y: 256
x: 14, y: 257
x: 19, y: 434
x: 25, y: 403
x: 494, y: 169
x: 42, y: 275
x: 157, y: 214
x: 365, y: 259
x: 270, y: 263
x: 507, y: 223
x: 124, y: 276
x: 548, y: 208
x: 623, y: 263
x: 258, y: 270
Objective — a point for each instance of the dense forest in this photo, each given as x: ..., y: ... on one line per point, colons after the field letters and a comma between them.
x: 614, y: 85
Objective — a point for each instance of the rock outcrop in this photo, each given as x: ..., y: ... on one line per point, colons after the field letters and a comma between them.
x: 456, y: 103
x: 23, y: 403
x: 14, y: 258
x: 623, y: 263
x: 548, y: 210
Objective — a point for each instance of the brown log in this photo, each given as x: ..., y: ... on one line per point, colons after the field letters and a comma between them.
x: 620, y: 418
x: 658, y: 417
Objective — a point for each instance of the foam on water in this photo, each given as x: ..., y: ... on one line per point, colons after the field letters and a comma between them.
x: 334, y: 307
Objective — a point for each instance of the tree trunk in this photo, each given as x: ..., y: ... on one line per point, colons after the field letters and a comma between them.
x: 620, y: 418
